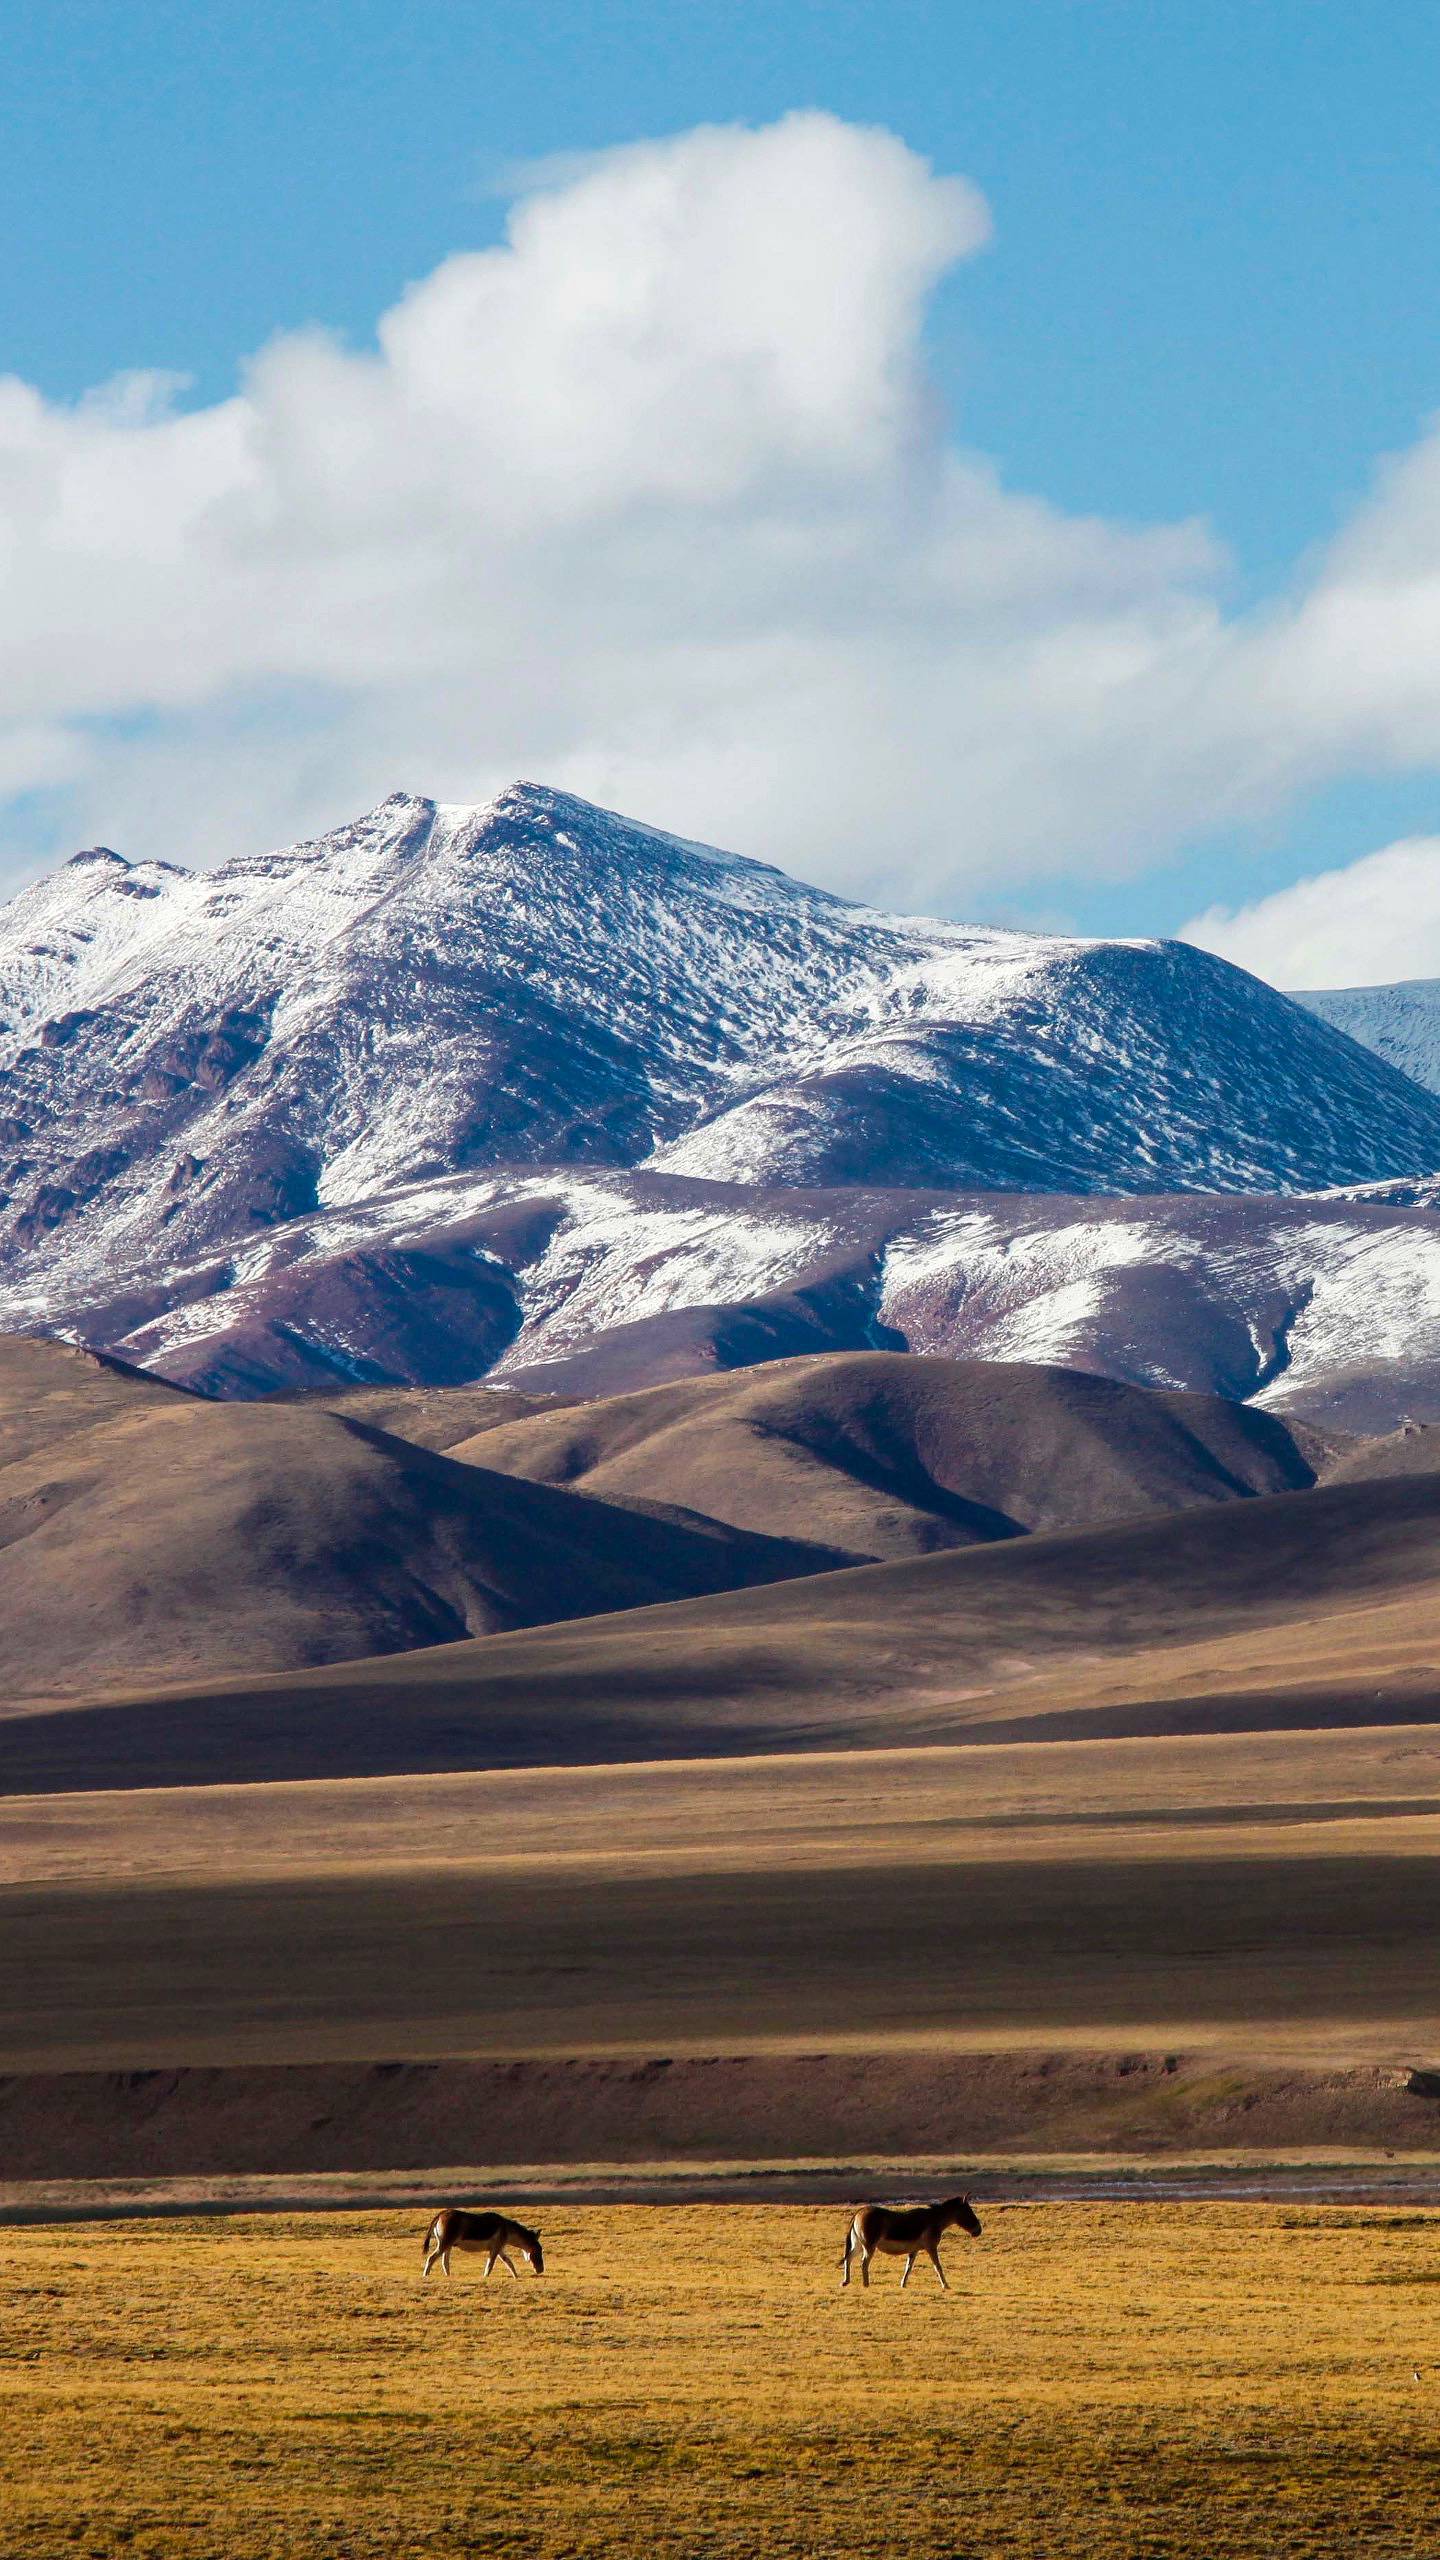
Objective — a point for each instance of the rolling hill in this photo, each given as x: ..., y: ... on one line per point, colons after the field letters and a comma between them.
x: 1326, y: 1308
x: 193, y: 1538
x: 170, y: 1538
x: 1306, y: 1610
x: 1054, y: 1836
x: 885, y: 1455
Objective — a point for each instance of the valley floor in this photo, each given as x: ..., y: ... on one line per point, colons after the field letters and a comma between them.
x: 1276, y: 1896
x: 1142, y: 2381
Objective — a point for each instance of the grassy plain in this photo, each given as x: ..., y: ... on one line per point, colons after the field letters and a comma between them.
x: 1142, y: 2381
x: 1252, y: 1892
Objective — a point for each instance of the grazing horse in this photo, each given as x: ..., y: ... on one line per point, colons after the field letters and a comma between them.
x: 492, y: 2232
x: 907, y: 2231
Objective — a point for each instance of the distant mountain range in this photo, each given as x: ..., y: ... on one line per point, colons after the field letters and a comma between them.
x: 1401, y: 1023
x: 535, y: 1090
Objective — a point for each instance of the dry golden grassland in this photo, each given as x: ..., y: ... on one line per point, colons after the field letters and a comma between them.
x: 1247, y: 1892
x: 1130, y: 2379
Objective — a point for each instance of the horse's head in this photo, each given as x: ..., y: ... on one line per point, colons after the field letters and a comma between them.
x: 962, y: 2216
x: 532, y: 2250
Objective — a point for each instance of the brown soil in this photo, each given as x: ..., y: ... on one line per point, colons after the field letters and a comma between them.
x: 311, y: 2119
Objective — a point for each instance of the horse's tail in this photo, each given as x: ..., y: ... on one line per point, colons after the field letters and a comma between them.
x: 432, y: 2234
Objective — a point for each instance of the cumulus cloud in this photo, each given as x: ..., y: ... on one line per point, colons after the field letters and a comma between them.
x: 655, y: 501
x: 1362, y: 925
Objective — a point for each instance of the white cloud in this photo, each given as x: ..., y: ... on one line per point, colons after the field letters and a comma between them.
x: 1364, y: 925
x: 655, y: 502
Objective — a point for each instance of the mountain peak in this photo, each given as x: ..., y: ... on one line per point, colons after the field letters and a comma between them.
x: 546, y: 800
x: 191, y: 1062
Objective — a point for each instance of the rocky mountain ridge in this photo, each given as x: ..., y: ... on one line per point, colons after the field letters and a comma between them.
x: 454, y: 1087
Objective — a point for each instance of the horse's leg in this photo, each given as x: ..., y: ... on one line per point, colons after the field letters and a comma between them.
x: 507, y: 2261
x: 445, y: 2260
x: 865, y: 2257
x: 935, y: 2263
x: 430, y: 2257
x: 909, y: 2263
x: 490, y: 2264
x: 845, y: 2261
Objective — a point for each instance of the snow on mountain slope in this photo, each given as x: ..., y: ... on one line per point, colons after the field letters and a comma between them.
x: 425, y: 988
x: 189, y: 1060
x: 1076, y: 1066
x: 1310, y: 1306
x: 1400, y: 1023
x: 589, y: 1283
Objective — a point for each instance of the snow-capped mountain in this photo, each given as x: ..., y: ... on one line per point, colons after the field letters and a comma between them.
x: 188, y: 1060
x: 1401, y: 1023
x: 591, y: 1283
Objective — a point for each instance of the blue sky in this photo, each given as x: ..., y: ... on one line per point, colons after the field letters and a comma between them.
x: 1208, y: 293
